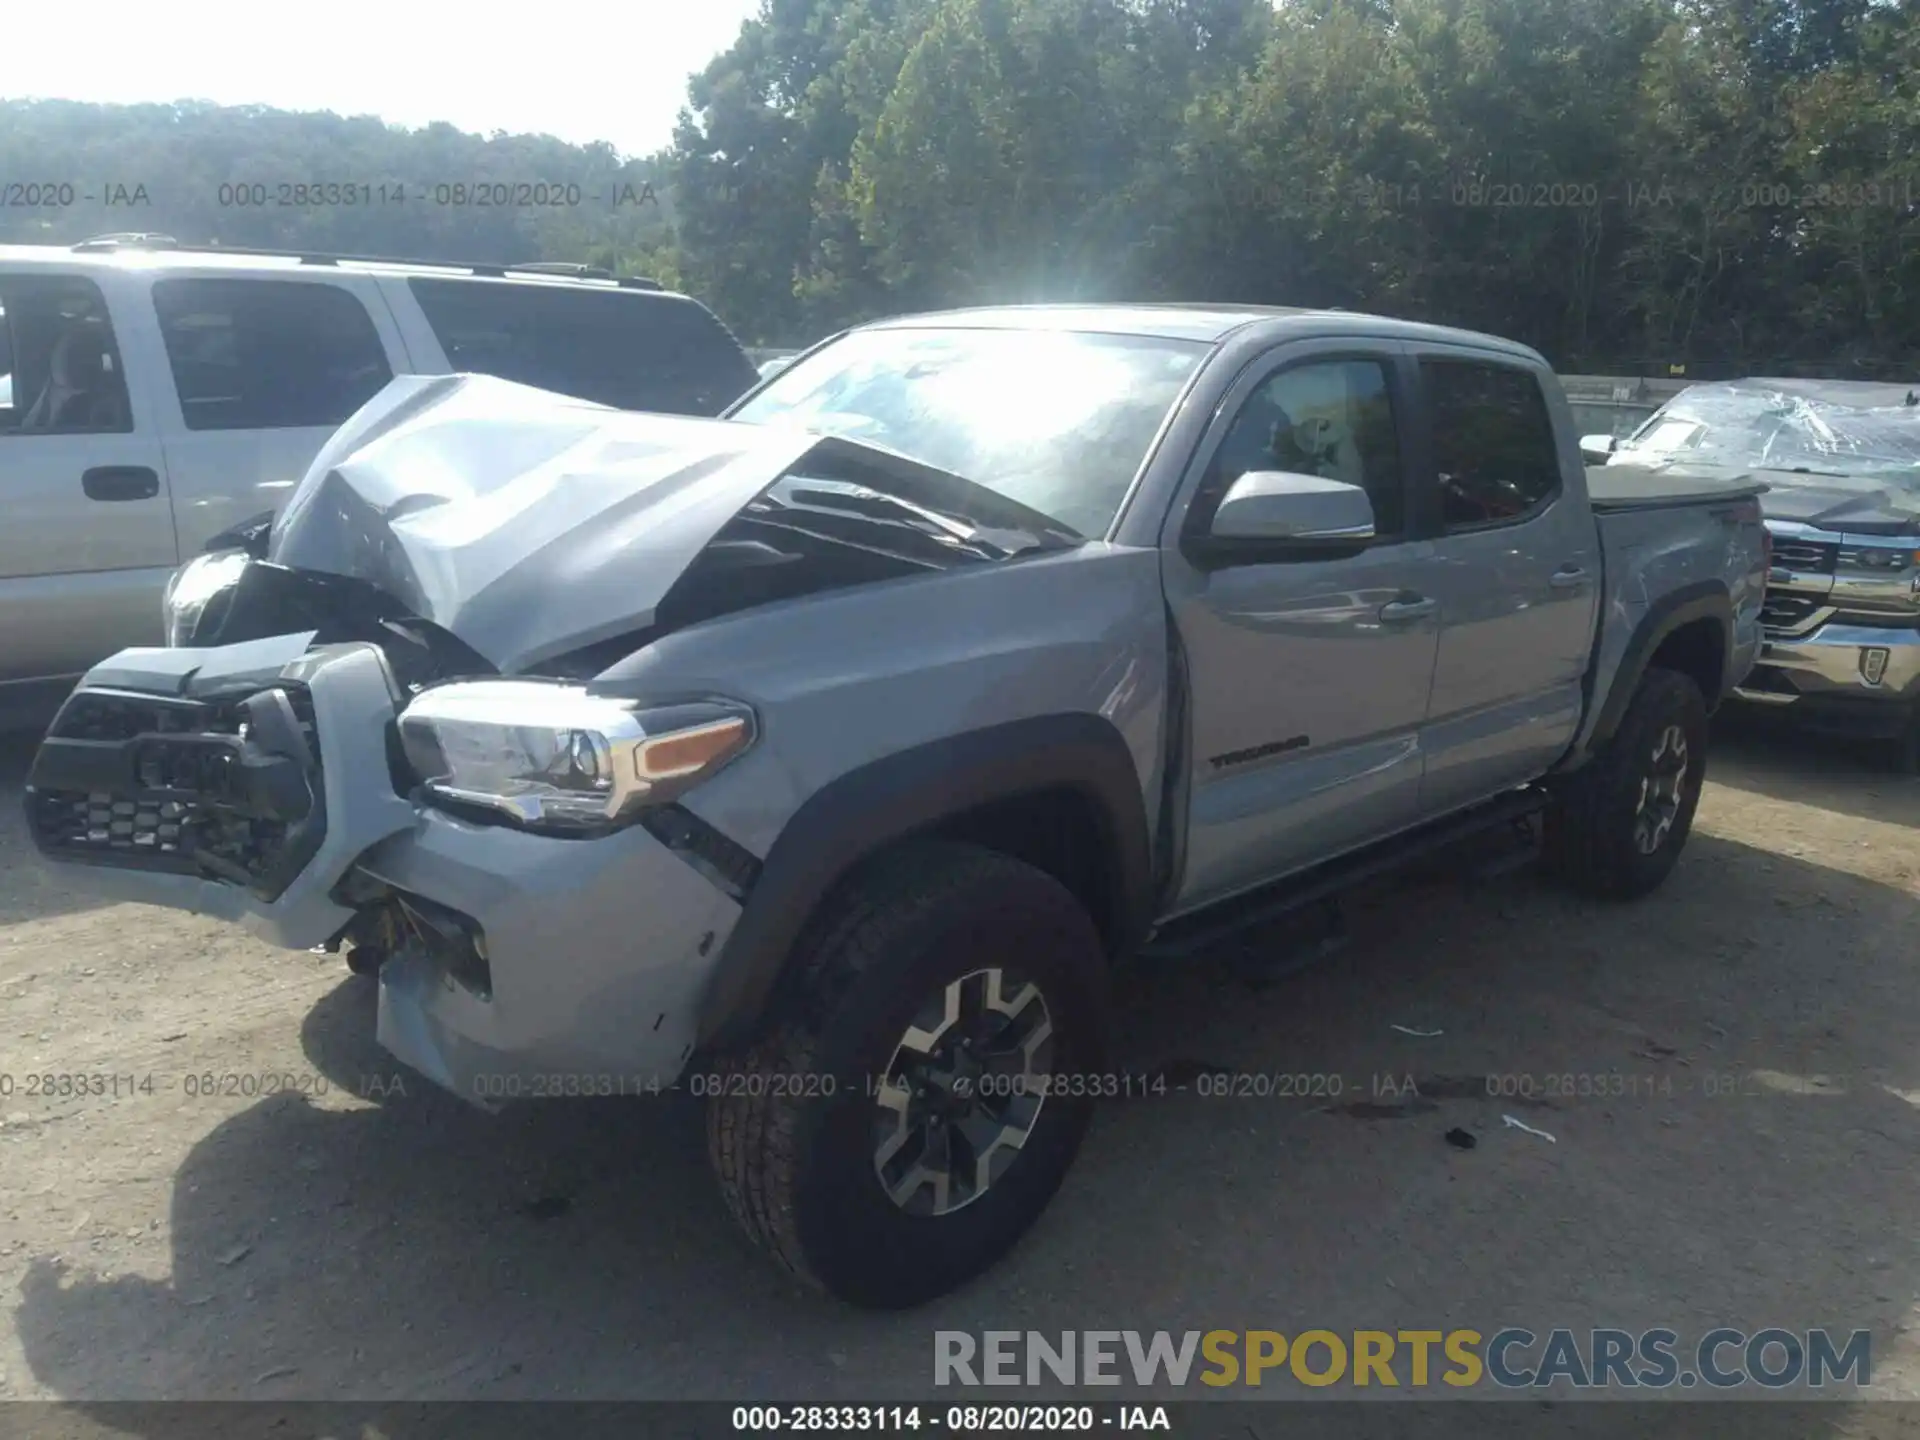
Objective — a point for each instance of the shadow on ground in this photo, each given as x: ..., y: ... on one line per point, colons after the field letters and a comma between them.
x: 29, y: 890
x: 1759, y: 1172
x: 1848, y: 778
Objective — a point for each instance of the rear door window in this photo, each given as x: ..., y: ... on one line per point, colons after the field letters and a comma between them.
x: 268, y: 354
x: 1493, y: 446
x: 60, y: 371
x: 634, y: 350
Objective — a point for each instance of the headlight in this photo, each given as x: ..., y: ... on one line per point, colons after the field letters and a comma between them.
x: 193, y: 585
x: 553, y: 757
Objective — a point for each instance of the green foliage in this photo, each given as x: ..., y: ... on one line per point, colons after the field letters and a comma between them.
x: 1621, y: 183
x: 209, y: 174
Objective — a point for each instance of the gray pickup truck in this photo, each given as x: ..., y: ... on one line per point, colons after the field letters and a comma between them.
x: 823, y: 759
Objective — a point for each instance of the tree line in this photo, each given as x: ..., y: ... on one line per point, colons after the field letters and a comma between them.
x: 275, y: 179
x: 1626, y: 184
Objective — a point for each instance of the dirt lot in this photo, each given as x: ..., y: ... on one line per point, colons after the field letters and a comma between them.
x: 375, y: 1239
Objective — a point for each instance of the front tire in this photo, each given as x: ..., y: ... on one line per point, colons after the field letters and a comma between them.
x: 1617, y: 827
x: 884, y: 1143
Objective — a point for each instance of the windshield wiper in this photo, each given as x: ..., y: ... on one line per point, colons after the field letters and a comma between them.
x: 950, y: 532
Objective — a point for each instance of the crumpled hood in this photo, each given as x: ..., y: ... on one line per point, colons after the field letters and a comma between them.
x: 525, y: 523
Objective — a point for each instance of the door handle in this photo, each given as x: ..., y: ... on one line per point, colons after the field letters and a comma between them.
x: 1414, y: 607
x: 120, y: 482
x: 1570, y: 578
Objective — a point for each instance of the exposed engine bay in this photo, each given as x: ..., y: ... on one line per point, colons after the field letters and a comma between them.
x: 559, y: 559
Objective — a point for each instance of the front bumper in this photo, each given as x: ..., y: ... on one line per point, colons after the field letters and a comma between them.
x: 1858, y: 679
x: 596, y: 952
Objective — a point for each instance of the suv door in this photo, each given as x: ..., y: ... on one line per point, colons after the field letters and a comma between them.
x: 1307, y: 678
x: 1516, y: 577
x: 88, y: 540
x: 264, y: 368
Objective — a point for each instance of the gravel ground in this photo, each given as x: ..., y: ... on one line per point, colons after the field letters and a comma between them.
x: 360, y: 1237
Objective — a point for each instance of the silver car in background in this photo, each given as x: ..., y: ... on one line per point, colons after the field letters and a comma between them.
x: 1841, y: 460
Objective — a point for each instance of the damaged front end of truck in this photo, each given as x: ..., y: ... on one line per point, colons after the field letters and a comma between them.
x: 376, y: 725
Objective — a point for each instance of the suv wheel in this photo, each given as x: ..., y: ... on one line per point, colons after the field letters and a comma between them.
x: 1617, y: 827
x: 906, y: 1120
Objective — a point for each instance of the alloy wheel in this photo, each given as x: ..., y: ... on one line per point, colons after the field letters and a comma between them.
x: 1663, y: 790
x: 963, y: 1091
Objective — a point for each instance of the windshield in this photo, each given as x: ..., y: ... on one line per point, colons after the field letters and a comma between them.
x: 1059, y: 421
x: 1759, y: 428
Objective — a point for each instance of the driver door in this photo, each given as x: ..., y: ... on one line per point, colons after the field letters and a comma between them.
x: 1310, y: 677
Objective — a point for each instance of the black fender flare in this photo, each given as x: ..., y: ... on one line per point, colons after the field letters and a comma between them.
x: 911, y: 792
x: 1703, y: 600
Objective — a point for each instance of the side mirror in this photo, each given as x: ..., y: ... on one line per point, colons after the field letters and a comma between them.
x: 1275, y: 505
x: 1594, y: 449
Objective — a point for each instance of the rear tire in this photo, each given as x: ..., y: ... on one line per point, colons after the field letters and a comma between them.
x: 1904, y: 752
x: 1617, y: 827
x: 808, y: 1131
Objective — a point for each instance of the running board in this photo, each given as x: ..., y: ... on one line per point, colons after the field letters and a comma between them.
x: 1192, y: 934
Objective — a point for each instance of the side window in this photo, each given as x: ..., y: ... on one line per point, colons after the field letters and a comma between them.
x: 1671, y: 434
x: 60, y: 371
x: 1493, y: 448
x: 268, y: 354
x: 1332, y: 418
x: 632, y: 350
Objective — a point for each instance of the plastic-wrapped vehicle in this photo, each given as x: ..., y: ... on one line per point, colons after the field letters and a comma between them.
x: 1841, y: 461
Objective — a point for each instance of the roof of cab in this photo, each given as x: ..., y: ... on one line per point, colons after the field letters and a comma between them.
x: 1207, y: 323
x: 1171, y: 322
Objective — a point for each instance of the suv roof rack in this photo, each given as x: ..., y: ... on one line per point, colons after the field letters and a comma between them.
x: 583, y: 272
x: 141, y: 240
x: 564, y: 267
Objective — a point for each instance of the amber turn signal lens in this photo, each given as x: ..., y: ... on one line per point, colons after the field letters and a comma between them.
x: 687, y: 752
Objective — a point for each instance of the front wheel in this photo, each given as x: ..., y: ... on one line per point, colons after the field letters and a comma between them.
x: 1617, y: 827
x: 926, y: 1087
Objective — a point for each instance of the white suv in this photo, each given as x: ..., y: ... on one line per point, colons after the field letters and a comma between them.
x: 153, y: 395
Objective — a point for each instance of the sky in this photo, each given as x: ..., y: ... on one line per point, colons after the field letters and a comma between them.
x: 608, y: 72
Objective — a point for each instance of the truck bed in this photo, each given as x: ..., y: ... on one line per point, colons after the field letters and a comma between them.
x: 1638, y: 487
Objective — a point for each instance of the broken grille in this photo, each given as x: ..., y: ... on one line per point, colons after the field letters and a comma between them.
x: 228, y: 789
